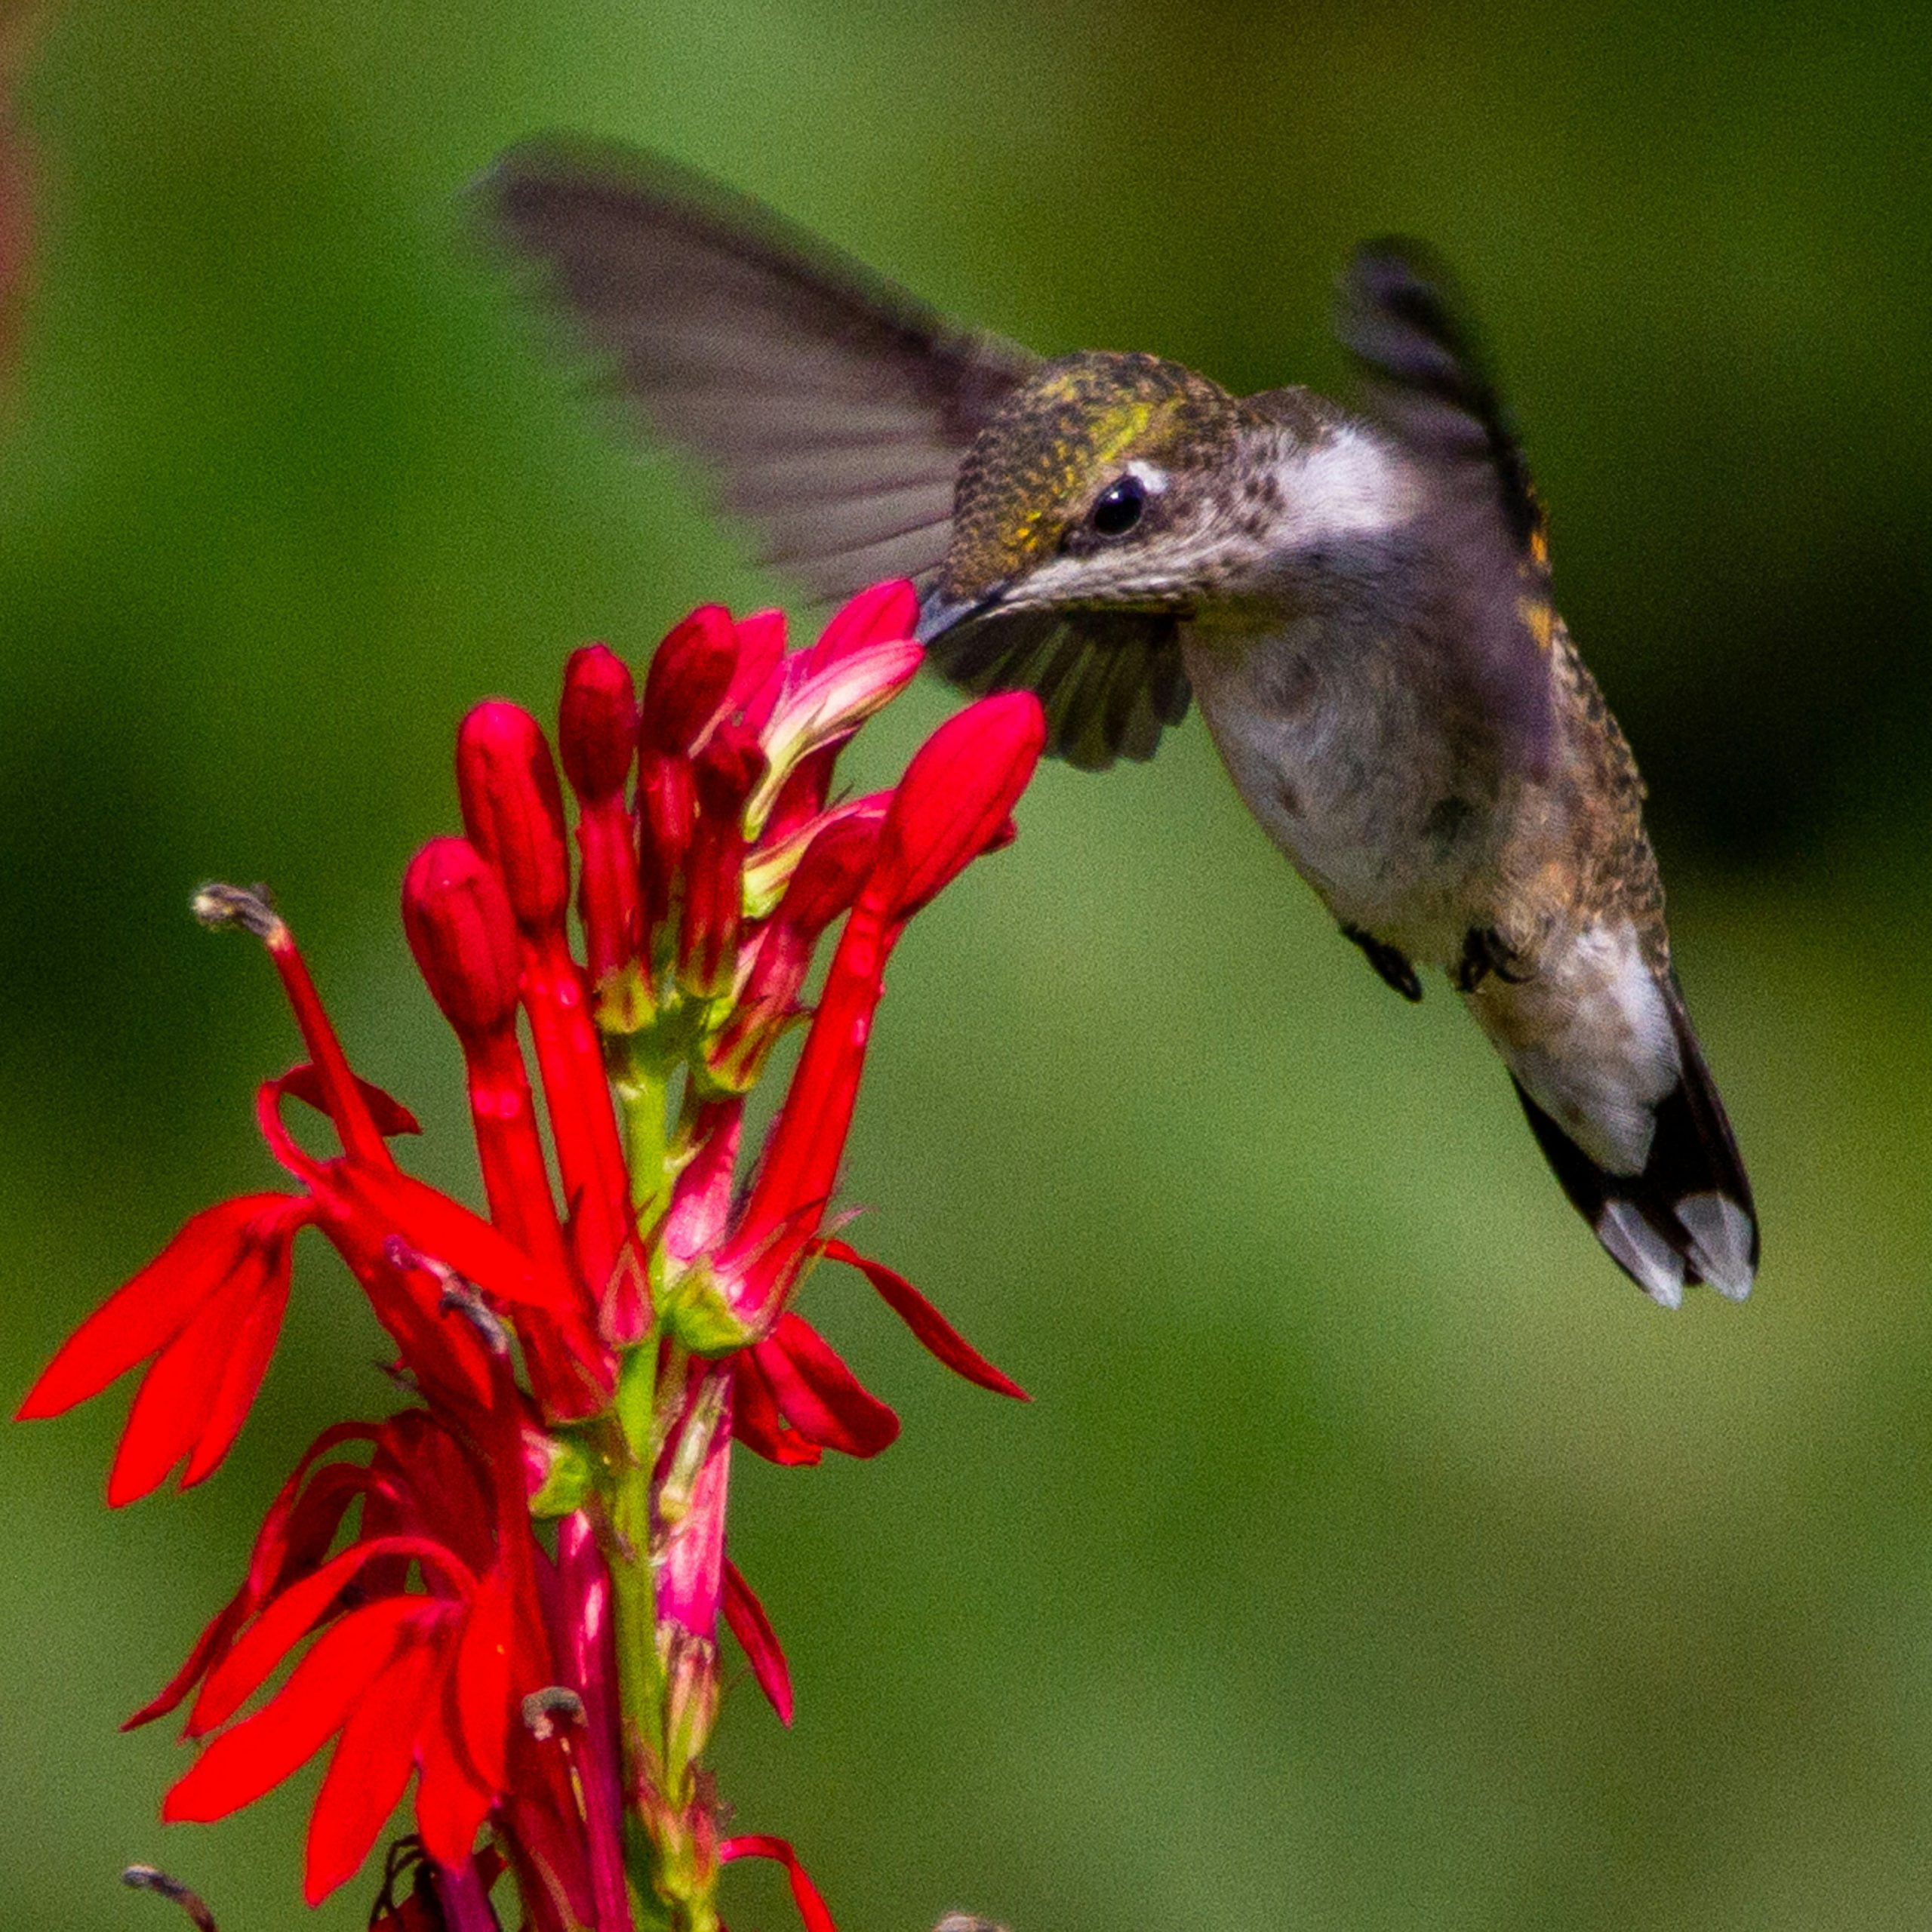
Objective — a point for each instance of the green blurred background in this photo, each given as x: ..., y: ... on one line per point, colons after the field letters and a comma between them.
x: 1373, y: 1556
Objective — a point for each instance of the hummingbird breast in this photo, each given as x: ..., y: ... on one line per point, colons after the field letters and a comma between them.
x: 1360, y: 753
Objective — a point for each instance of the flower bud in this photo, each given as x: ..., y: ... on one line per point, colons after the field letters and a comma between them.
x: 955, y: 799
x: 513, y: 810
x: 463, y: 933
x: 597, y: 734
x: 690, y: 675
x: 667, y: 814
x: 597, y: 723
x: 726, y: 769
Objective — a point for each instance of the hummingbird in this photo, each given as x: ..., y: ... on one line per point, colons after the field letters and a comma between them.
x: 1359, y: 599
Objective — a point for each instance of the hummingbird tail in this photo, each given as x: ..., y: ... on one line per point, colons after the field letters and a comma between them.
x: 1688, y: 1216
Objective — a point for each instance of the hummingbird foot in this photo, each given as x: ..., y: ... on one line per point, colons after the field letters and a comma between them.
x: 1485, y: 952
x: 1392, y: 964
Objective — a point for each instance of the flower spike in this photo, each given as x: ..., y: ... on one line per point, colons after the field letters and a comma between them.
x: 591, y: 1354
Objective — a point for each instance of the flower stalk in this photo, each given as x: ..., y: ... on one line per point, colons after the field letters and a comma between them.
x: 511, y: 1595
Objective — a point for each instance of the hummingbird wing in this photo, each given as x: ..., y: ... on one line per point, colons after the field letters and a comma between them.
x: 1110, y: 681
x: 1401, y: 317
x: 834, y: 409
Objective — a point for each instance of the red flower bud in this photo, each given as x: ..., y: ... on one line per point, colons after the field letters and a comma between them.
x: 464, y: 934
x: 667, y: 811
x: 728, y: 768
x: 690, y: 675
x: 597, y: 724
x: 513, y: 810
x: 597, y: 730
x: 829, y: 875
x: 730, y: 765
x: 955, y: 799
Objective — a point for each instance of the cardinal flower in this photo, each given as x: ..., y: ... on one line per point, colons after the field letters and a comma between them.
x: 589, y: 1353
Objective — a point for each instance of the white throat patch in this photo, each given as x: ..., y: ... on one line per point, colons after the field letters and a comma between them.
x: 1353, y: 484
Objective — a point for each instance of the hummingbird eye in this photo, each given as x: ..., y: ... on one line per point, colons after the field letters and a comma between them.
x: 1118, y: 507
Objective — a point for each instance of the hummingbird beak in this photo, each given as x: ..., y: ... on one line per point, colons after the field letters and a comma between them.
x: 940, y: 614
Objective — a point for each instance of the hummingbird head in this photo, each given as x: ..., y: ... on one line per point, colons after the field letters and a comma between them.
x: 1127, y: 485
x: 1089, y: 488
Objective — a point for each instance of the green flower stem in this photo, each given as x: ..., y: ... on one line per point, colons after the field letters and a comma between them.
x: 667, y: 1690
x: 640, y: 1088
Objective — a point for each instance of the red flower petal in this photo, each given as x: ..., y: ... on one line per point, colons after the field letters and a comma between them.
x: 759, y: 1641
x: 444, y: 1230
x: 258, y: 1753
x: 301, y: 1524
x: 290, y: 1617
x: 371, y: 1764
x: 819, y: 1395
x: 813, y: 1910
x: 756, y: 1422
x: 935, y: 1334
x: 388, y: 1113
x: 880, y: 613
x: 175, y: 1402
x: 149, y: 1311
x: 483, y: 1683
x: 249, y: 1350
x: 451, y: 1803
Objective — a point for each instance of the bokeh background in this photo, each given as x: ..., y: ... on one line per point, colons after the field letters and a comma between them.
x: 1373, y: 1556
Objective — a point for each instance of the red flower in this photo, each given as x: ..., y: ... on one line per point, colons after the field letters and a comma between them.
x: 649, y: 1301
x: 427, y: 1682
x: 209, y: 1308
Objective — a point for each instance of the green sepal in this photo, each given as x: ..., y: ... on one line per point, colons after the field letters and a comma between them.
x: 727, y: 1070
x: 572, y: 1476
x: 624, y: 1003
x: 695, y: 1310
x: 768, y: 872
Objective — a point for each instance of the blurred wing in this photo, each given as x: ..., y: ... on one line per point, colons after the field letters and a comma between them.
x: 835, y: 410
x: 1401, y: 316
x: 1110, y: 682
